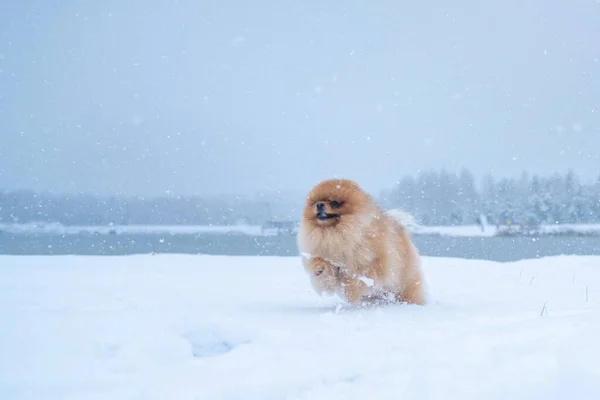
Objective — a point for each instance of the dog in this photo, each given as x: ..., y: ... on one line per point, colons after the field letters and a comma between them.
x: 350, y: 247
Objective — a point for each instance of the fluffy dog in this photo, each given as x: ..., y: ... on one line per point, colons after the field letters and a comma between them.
x: 350, y: 247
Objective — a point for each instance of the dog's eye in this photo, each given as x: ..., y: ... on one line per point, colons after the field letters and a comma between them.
x: 335, y: 204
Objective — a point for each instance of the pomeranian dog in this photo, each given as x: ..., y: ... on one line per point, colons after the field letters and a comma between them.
x: 350, y: 247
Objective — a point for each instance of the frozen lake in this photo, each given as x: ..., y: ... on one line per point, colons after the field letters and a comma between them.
x: 488, y: 248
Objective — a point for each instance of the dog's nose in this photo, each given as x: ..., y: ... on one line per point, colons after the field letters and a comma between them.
x: 320, y: 206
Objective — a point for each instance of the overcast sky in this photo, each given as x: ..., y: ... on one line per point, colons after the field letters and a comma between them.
x: 144, y: 97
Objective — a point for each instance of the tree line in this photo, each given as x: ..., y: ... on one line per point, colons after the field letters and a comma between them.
x: 435, y: 197
x: 443, y: 198
x: 26, y: 206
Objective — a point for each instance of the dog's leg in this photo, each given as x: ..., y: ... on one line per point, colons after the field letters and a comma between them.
x: 353, y: 289
x: 323, y: 275
x: 412, y: 293
x: 409, y: 283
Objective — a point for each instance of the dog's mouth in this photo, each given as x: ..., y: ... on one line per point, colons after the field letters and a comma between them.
x: 323, y: 216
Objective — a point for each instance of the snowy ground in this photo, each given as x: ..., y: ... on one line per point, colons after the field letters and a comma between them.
x: 204, y: 327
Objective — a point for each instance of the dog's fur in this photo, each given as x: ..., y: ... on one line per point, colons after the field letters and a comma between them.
x: 354, y: 249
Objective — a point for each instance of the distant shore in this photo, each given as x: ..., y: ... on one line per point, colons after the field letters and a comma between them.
x: 588, y: 230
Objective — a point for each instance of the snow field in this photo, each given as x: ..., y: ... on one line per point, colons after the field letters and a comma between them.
x: 217, y: 327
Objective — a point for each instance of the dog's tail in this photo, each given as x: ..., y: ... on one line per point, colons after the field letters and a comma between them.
x: 406, y: 220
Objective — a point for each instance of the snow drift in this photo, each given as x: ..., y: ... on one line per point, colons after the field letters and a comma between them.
x: 203, y: 327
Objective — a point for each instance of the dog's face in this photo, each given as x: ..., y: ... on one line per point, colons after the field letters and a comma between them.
x: 330, y: 201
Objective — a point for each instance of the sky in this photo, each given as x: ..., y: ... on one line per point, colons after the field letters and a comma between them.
x: 206, y: 97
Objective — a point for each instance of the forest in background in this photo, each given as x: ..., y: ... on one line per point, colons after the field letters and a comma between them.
x: 443, y: 198
x: 435, y: 197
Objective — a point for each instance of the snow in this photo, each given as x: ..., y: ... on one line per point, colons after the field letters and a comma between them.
x: 367, y: 281
x: 208, y: 327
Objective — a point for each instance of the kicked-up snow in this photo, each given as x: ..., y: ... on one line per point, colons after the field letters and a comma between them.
x: 206, y: 327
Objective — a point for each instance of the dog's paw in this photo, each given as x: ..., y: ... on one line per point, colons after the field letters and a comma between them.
x: 318, y: 266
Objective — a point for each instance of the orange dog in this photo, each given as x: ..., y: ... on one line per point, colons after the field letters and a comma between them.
x: 350, y: 247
